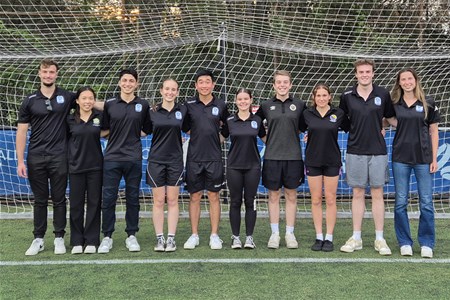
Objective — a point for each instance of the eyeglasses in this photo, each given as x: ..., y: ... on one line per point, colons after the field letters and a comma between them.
x: 48, y: 105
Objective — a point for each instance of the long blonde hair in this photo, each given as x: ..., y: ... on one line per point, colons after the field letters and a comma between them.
x: 397, y: 91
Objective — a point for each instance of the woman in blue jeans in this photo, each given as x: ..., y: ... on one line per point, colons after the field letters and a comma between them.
x: 415, y: 148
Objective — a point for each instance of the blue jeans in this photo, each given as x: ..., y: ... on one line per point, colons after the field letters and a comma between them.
x: 426, y: 231
x: 112, y: 173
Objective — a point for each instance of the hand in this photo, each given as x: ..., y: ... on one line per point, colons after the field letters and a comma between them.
x: 22, y: 170
x: 383, y: 132
x: 305, y: 138
x: 433, y: 167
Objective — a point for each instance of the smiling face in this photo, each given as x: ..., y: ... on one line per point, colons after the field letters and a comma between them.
x: 282, y: 85
x: 407, y: 82
x: 169, y: 90
x: 322, y: 98
x: 48, y: 74
x: 243, y: 101
x: 204, y: 85
x: 128, y: 84
x: 86, y: 101
x: 364, y: 74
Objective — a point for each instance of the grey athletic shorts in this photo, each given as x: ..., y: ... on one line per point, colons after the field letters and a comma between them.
x: 366, y: 169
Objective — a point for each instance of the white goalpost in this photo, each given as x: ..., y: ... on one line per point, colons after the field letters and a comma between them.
x: 243, y: 42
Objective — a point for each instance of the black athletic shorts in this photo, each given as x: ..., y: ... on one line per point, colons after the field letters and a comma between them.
x: 164, y: 174
x: 279, y: 173
x: 323, y: 171
x: 204, y: 176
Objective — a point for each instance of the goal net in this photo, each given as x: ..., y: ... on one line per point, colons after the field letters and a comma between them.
x: 242, y: 41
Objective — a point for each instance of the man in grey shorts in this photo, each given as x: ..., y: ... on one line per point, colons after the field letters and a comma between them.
x: 366, y: 104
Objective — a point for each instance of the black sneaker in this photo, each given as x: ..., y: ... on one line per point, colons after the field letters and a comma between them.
x: 327, y: 246
x: 317, y: 245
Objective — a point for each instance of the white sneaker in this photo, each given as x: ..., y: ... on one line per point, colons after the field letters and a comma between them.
x: 170, y: 244
x: 352, y: 245
x: 132, y: 244
x: 235, y: 242
x: 426, y: 252
x: 77, y: 250
x: 382, y: 247
x: 249, y: 243
x: 291, y: 241
x: 90, y: 249
x: 274, y: 241
x: 36, y: 246
x: 192, y: 242
x: 406, y: 250
x: 105, y: 245
x: 60, y: 248
x: 215, y: 242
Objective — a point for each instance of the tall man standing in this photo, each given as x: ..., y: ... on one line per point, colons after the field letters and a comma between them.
x: 366, y: 104
x: 125, y: 116
x: 45, y: 111
x: 283, y: 165
x: 204, y: 167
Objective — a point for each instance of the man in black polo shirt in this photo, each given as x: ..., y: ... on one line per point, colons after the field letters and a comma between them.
x: 366, y: 162
x: 283, y: 164
x: 45, y: 111
x: 204, y: 168
x: 125, y: 116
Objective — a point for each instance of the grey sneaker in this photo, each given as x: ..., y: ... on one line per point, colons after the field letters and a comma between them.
x: 170, y: 244
x: 235, y: 242
x: 249, y: 243
x: 105, y: 245
x: 60, y: 248
x: 160, y: 244
x: 36, y: 246
x: 132, y: 244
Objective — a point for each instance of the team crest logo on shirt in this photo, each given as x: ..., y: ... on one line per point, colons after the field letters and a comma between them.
x: 377, y: 101
x: 254, y: 124
x: 60, y: 99
x: 333, y: 118
x: 178, y: 115
x: 419, y: 108
x: 138, y: 107
x: 293, y: 107
x: 96, y: 122
x: 215, y: 111
x: 272, y: 107
x: 72, y: 111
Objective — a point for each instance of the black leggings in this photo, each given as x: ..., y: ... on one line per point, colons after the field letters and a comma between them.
x: 243, y: 181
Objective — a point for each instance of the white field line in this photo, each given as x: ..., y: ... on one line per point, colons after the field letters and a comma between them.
x: 223, y: 261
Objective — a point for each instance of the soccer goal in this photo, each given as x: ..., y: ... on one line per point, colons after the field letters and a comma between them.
x: 242, y: 41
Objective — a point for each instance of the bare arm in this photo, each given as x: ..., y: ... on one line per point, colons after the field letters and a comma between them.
x: 434, y: 132
x: 98, y: 105
x: 21, y: 141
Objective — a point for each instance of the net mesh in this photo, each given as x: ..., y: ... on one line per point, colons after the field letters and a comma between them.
x: 242, y: 41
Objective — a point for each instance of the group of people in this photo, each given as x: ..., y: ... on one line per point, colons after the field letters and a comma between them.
x: 65, y: 143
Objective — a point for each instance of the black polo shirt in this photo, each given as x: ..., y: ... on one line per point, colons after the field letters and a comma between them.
x: 125, y: 122
x: 204, y: 122
x: 366, y: 117
x: 412, y: 141
x: 48, y: 127
x: 85, y: 150
x: 322, y: 149
x: 243, y: 152
x: 166, y: 127
x: 283, y: 122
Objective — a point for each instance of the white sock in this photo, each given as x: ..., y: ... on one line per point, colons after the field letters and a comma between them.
x: 319, y: 236
x: 329, y: 237
x: 357, y: 235
x: 275, y: 228
x: 289, y: 229
x: 379, y: 235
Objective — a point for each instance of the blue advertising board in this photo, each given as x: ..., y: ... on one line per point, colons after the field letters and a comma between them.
x: 11, y: 184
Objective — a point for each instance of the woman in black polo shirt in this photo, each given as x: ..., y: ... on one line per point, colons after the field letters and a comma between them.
x: 85, y: 172
x: 415, y: 148
x: 243, y: 166
x: 165, y: 163
x: 323, y: 160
